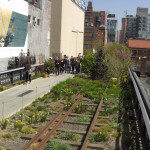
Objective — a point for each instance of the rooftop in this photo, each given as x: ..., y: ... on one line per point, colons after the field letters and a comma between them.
x: 132, y: 43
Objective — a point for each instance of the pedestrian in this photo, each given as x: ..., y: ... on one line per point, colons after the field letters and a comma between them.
x: 57, y: 65
x: 30, y: 72
x: 48, y: 71
x: 65, y: 64
x: 69, y: 66
x: 62, y: 66
x: 72, y: 64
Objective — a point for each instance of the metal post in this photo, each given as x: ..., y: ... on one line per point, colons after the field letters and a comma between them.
x: 3, y: 110
x: 36, y: 92
x: 22, y: 101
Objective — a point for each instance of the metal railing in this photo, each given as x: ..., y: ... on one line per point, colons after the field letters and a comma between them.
x: 143, y: 106
x: 12, y: 76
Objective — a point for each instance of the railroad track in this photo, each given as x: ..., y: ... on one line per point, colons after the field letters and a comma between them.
x: 50, y: 129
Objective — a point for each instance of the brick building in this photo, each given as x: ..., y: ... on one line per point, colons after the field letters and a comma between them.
x: 95, y: 30
x: 139, y: 48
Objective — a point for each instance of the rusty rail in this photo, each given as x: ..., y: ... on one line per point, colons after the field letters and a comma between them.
x: 47, y: 127
x: 43, y: 142
x: 86, y: 140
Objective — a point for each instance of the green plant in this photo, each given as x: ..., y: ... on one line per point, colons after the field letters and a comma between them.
x: 7, y: 135
x: 47, y: 101
x: 69, y: 104
x: 26, y: 131
x: 103, y: 121
x: 57, y: 146
x: 18, y: 125
x: 99, y: 137
x: 80, y: 108
x: 4, y: 123
x: 44, y: 116
x: 2, y: 88
x: 69, y: 136
x: 49, y: 63
x: 106, y: 129
x: 82, y: 119
x: 40, y: 108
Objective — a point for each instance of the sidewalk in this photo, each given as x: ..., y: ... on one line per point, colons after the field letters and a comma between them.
x: 14, y: 99
x: 146, y: 85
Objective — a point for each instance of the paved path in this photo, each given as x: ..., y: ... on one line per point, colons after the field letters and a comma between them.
x: 146, y: 85
x: 14, y: 99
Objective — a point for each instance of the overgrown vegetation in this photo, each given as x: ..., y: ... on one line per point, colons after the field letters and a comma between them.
x: 57, y: 146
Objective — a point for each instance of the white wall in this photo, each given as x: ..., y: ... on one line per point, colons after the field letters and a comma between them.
x: 72, y: 20
x: 19, y: 6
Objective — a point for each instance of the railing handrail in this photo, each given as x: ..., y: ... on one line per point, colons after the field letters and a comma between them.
x: 143, y: 100
x: 20, y: 68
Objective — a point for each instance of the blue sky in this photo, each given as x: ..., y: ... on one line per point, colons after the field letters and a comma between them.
x: 119, y: 6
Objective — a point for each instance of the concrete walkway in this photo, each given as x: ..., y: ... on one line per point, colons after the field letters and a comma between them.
x: 14, y: 99
x: 146, y: 85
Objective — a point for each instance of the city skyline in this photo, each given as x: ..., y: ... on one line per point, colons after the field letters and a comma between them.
x: 119, y: 7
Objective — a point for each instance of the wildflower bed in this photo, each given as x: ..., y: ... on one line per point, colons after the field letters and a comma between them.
x: 34, y: 117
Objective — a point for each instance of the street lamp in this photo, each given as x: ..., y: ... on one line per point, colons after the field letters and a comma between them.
x: 76, y: 38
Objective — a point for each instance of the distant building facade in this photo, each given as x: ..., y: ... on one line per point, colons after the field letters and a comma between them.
x: 112, y: 24
x: 95, y: 30
x: 67, y: 28
x: 39, y: 22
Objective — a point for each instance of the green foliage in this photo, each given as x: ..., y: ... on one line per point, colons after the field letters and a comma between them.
x: 18, y: 125
x: 99, y: 68
x: 118, y: 58
x: 82, y: 119
x: 57, y: 146
x: 69, y: 104
x: 26, y: 131
x: 49, y: 63
x: 87, y: 62
x: 7, y: 135
x: 68, y: 136
x: 40, y: 108
x: 80, y: 108
x: 4, y: 123
x: 99, y: 137
x: 2, y: 88
x: 104, y: 121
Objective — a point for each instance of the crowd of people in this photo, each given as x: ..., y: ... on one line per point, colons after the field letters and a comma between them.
x: 68, y: 65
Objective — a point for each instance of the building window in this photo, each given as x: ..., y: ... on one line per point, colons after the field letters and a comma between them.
x: 29, y: 18
x: 88, y: 38
x: 87, y: 46
x: 38, y: 22
x: 145, y: 53
x: 34, y: 21
x: 88, y: 30
x: 134, y: 53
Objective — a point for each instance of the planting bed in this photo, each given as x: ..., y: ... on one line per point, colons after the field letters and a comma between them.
x: 23, y: 126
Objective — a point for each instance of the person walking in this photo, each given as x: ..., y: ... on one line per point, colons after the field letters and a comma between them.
x: 69, y: 66
x: 62, y: 66
x: 72, y: 64
x: 57, y: 65
x: 65, y: 64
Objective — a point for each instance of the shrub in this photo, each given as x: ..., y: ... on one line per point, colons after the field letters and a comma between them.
x: 2, y: 88
x: 49, y: 63
x: 26, y: 131
x: 4, y: 123
x: 57, y: 146
x: 7, y: 135
x: 40, y: 108
x: 82, y: 119
x: 18, y: 125
x: 99, y: 137
x: 87, y: 62
x: 99, y: 68
x: 68, y: 136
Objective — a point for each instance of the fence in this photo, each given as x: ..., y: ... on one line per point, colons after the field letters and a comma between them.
x: 14, y: 75
x: 142, y: 103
